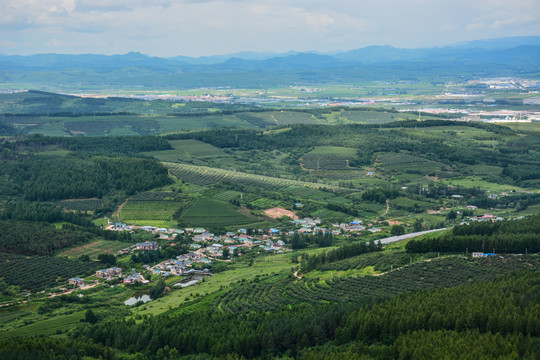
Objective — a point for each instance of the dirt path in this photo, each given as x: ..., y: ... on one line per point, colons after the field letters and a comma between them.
x: 273, y: 117
x: 71, y: 290
x: 399, y: 268
x: 120, y: 209
x: 387, y: 207
x: 296, y: 274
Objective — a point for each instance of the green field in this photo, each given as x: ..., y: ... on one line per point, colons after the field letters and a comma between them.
x: 187, y: 149
x: 473, y: 182
x: 328, y: 158
x: 133, y: 211
x: 210, y: 212
x: 95, y: 248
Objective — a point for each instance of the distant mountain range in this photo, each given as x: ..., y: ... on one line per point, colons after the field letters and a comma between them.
x: 516, y: 55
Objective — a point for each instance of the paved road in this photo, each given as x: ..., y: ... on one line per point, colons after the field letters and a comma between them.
x: 392, y: 239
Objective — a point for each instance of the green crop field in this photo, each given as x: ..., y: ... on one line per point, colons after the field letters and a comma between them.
x: 46, y: 327
x: 210, y: 212
x: 148, y: 210
x: 227, y: 195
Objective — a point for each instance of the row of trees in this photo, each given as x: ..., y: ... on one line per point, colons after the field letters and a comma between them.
x: 343, y: 252
x: 515, y: 236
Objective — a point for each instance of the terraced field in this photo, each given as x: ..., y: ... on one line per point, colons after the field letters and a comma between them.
x: 202, y: 175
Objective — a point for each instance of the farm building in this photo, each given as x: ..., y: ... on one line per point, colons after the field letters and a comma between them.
x: 109, y: 273
x: 148, y: 245
x: 77, y: 281
x: 135, y: 277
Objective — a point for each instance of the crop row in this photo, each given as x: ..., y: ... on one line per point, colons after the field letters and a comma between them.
x: 447, y: 272
x: 201, y: 175
x: 36, y: 272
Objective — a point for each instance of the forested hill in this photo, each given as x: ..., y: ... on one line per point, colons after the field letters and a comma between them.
x: 463, y: 322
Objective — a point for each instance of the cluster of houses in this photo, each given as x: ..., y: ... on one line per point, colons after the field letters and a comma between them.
x: 109, y: 273
x: 181, y: 266
x: 485, y: 218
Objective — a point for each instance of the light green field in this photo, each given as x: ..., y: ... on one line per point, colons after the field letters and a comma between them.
x: 324, y: 275
x: 334, y: 150
x: 46, y: 327
x: 185, y: 149
x: 473, y: 182
x: 95, y: 248
x: 53, y: 152
x: 148, y: 210
x: 526, y: 127
x: 486, y: 169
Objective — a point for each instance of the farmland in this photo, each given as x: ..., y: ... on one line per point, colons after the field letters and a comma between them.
x: 133, y: 211
x: 213, y: 213
x: 187, y: 149
x: 201, y: 175
x: 328, y: 158
x: 350, y: 176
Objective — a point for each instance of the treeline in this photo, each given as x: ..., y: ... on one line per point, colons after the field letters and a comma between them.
x: 343, y: 252
x: 320, y: 239
x: 380, y: 195
x: 39, y: 238
x: 51, y: 178
x: 31, y: 238
x: 42, y: 212
x: 509, y: 236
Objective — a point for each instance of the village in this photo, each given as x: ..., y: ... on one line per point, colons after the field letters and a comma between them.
x: 207, y: 249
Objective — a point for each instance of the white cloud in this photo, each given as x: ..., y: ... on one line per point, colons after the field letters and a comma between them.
x: 205, y: 27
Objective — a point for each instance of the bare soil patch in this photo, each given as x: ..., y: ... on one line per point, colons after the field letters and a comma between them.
x: 277, y: 212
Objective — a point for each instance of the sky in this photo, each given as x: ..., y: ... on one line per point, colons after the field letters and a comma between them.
x: 195, y: 28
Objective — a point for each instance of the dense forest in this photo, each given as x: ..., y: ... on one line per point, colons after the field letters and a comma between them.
x: 50, y: 178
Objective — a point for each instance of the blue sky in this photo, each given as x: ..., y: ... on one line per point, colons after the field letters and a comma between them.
x: 209, y: 27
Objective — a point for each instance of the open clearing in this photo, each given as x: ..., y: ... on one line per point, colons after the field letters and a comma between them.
x: 277, y: 212
x: 95, y: 248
